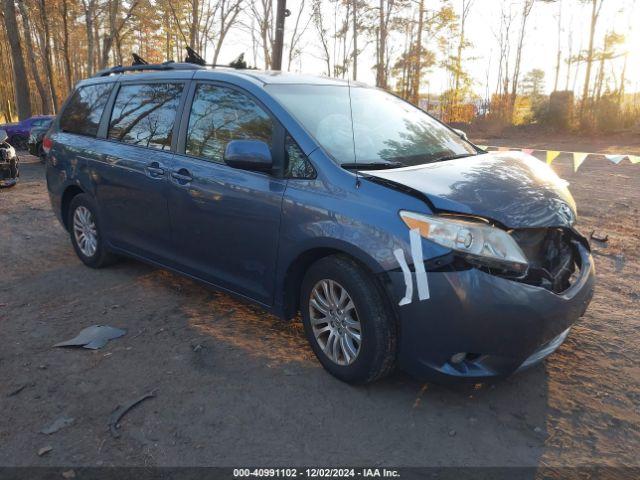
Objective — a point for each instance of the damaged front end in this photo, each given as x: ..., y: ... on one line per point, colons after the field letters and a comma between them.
x: 555, y: 257
x: 555, y: 261
x: 8, y: 165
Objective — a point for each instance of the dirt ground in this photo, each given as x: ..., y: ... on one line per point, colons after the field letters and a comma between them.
x: 235, y: 386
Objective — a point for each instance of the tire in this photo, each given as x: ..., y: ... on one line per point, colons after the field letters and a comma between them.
x: 376, y: 353
x: 98, y: 256
x: 14, y: 168
x: 41, y: 154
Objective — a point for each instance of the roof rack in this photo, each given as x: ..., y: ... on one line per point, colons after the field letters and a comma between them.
x: 170, y: 65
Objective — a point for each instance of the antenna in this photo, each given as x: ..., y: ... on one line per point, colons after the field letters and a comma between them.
x: 353, y: 134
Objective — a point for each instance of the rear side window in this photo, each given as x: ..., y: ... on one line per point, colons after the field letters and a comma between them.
x: 145, y: 114
x: 221, y: 114
x: 83, y: 112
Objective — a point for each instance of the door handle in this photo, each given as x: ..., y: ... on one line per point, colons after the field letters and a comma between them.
x: 182, y: 176
x: 154, y: 170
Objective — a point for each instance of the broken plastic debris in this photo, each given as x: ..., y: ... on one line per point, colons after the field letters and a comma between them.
x: 58, y: 424
x: 93, y: 337
x: 44, y: 450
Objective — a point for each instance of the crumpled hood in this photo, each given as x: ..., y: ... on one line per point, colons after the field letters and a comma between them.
x: 512, y: 188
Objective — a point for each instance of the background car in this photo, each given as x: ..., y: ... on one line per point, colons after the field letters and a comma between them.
x: 9, y: 172
x: 19, y: 132
x: 36, y: 134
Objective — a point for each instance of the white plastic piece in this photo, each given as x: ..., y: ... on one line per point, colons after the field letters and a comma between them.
x: 418, y: 264
x: 408, y: 281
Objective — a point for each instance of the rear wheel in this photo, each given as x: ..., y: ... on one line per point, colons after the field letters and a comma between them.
x: 85, y: 232
x: 347, y: 320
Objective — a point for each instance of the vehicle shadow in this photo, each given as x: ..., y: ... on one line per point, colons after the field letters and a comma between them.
x: 396, y: 421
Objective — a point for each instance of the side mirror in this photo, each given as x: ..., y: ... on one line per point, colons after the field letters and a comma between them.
x: 3, y: 136
x: 461, y: 134
x: 251, y: 155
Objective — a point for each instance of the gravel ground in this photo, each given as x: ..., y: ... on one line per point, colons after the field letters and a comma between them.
x: 235, y: 386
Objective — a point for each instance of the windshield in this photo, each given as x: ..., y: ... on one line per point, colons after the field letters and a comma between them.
x: 386, y: 129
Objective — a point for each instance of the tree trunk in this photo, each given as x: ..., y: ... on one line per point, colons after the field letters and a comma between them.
x: 587, y: 77
x: 195, y: 21
x: 47, y: 54
x: 65, y: 44
x: 415, y: 86
x: 526, y: 10
x: 381, y: 80
x: 355, y: 39
x: 569, y: 61
x: 559, y: 54
x: 45, y: 96
x: 88, y: 19
x: 20, y: 79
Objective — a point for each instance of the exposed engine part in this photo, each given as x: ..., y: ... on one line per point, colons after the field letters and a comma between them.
x: 554, y: 260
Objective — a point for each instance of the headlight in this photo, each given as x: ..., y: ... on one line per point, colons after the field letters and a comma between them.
x: 479, y: 242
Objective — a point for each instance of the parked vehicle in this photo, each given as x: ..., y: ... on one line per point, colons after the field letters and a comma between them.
x: 19, y: 132
x: 400, y: 242
x: 9, y: 163
x: 36, y: 134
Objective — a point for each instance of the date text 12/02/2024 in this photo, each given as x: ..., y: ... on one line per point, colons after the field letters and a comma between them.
x: 316, y: 473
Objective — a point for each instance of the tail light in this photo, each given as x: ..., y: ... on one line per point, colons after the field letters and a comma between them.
x: 47, y: 143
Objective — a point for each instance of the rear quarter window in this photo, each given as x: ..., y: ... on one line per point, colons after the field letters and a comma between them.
x: 83, y: 112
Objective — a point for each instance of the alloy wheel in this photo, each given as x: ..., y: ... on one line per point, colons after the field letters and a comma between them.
x: 335, y: 323
x: 84, y: 231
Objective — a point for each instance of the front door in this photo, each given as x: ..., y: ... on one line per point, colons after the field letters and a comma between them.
x: 225, y: 221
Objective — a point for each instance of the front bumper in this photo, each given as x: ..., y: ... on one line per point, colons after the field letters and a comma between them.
x: 503, y: 325
x: 6, y: 170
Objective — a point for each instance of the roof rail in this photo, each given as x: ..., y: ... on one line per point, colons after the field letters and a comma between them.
x: 170, y: 65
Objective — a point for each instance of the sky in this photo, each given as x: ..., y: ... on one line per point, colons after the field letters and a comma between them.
x: 483, y: 25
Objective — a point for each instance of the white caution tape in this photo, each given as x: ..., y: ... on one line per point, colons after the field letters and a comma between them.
x: 418, y: 265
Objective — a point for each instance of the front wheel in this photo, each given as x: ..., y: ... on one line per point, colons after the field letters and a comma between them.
x: 86, y: 236
x: 347, y: 320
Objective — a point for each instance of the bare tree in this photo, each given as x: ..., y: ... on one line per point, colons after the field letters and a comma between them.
x: 297, y: 34
x: 322, y: 33
x: 19, y: 71
x: 526, y: 11
x: 45, y: 95
x: 89, y: 9
x: 65, y: 43
x: 262, y: 14
x: 596, y: 6
x: 116, y: 25
x: 228, y: 11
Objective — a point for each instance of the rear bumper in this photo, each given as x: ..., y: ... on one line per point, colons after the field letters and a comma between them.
x: 503, y: 325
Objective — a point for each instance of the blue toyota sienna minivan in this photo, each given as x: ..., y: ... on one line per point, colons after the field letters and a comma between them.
x: 399, y: 241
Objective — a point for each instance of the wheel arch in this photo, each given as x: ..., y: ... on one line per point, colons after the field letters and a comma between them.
x: 67, y: 196
x: 299, y: 264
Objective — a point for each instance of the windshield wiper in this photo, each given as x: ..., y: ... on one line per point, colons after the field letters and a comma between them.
x: 371, y: 165
x: 452, y: 157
